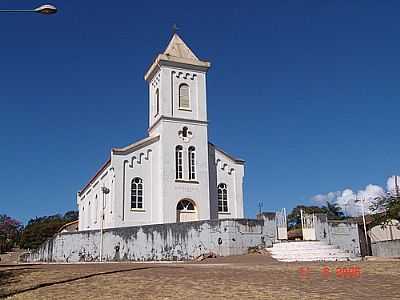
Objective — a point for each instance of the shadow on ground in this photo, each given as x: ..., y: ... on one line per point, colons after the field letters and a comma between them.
x: 7, y: 277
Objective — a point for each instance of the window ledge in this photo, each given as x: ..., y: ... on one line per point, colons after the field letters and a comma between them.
x: 224, y: 213
x: 185, y: 109
x: 138, y: 209
x: 186, y: 181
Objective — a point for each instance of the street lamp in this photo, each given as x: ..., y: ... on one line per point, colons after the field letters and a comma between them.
x: 105, y: 191
x: 46, y: 9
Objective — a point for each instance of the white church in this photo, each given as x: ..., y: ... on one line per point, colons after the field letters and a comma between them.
x: 175, y: 174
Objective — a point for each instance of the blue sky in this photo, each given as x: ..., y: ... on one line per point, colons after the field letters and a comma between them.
x: 307, y: 92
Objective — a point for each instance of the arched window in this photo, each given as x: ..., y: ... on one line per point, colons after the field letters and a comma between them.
x: 186, y: 211
x: 184, y: 96
x: 137, y: 193
x: 179, y: 162
x: 192, y: 163
x: 222, y: 198
x: 185, y: 205
x: 157, y: 102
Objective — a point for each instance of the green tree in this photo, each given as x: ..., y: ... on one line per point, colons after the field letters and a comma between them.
x: 39, y: 230
x: 386, y: 208
x: 71, y: 215
x: 294, y: 218
x: 333, y: 211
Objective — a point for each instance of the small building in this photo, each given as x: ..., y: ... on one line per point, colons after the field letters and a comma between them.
x: 69, y: 227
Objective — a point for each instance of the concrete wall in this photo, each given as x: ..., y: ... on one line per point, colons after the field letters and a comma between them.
x: 321, y: 227
x: 388, y: 232
x: 270, y: 229
x: 386, y: 248
x: 178, y: 241
x: 340, y: 233
x: 345, y: 236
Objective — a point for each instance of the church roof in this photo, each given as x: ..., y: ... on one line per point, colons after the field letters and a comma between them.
x: 178, y: 48
x: 102, y: 168
x: 177, y: 54
x: 136, y: 146
x: 235, y: 159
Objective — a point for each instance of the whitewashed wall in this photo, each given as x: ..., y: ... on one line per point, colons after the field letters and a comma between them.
x: 91, y: 201
x: 231, y: 174
x: 180, y: 241
x: 143, y: 163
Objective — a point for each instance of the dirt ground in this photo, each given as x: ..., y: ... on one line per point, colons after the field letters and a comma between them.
x: 252, y: 276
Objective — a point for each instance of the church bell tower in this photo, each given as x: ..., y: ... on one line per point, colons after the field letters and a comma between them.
x: 177, y: 85
x: 178, y: 115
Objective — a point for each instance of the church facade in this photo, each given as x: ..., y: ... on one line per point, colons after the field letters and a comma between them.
x: 175, y: 174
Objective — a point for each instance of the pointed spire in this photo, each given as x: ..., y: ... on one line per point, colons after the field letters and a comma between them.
x: 178, y: 48
x: 179, y: 54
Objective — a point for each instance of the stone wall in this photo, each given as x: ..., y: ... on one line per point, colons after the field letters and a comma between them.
x: 176, y: 241
x: 386, y: 248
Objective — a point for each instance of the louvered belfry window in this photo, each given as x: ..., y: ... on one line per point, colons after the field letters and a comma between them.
x: 184, y: 102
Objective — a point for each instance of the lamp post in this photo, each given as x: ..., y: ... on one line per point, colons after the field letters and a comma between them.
x: 105, y: 192
x: 46, y: 9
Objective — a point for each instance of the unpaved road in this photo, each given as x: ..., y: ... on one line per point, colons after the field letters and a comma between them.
x: 252, y: 276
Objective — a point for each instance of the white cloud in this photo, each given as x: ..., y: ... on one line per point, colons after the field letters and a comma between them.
x: 351, y: 201
x: 390, y: 184
x: 330, y: 197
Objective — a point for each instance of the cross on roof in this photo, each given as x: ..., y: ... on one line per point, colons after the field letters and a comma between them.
x: 175, y: 28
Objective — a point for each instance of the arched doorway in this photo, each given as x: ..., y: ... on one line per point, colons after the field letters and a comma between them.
x: 186, y: 211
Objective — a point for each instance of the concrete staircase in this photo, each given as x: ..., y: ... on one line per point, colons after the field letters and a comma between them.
x: 308, y: 251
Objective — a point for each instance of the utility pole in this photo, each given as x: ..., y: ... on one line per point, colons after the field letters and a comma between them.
x: 365, y: 225
x: 105, y: 192
x: 396, y: 188
x: 301, y: 219
x: 260, y: 206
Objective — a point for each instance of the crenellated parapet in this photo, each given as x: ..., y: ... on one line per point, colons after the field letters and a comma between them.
x: 139, y: 158
x: 224, y: 166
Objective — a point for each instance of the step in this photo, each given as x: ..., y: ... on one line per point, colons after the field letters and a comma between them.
x: 309, y: 254
x: 298, y: 253
x: 309, y: 257
x: 308, y: 251
x: 305, y: 249
x: 316, y: 259
x: 301, y: 246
